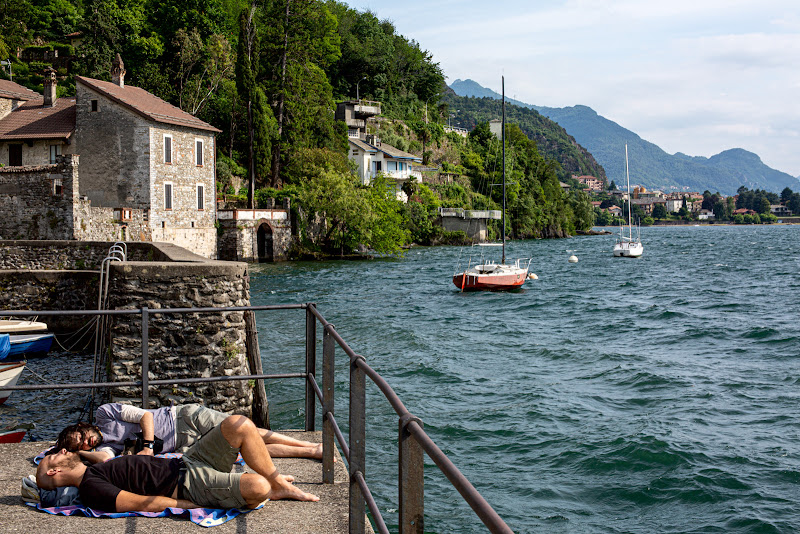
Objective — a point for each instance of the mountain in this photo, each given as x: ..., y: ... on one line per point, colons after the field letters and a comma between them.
x: 552, y: 141
x: 649, y: 164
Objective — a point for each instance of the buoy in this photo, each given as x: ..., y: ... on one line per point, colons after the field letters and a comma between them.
x: 533, y: 276
x: 573, y: 259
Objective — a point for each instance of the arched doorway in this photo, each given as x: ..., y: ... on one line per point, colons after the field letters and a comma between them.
x: 265, y: 252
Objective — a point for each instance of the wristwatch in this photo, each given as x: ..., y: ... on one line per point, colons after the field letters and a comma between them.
x: 148, y: 444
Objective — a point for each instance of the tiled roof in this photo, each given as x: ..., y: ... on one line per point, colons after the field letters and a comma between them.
x: 396, y: 153
x: 146, y: 104
x: 34, y: 121
x: 15, y: 91
x: 362, y: 145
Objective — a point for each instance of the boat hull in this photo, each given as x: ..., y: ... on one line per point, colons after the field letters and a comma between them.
x: 12, y: 326
x: 490, y: 282
x: 12, y: 436
x: 29, y: 346
x: 9, y: 375
x: 627, y: 249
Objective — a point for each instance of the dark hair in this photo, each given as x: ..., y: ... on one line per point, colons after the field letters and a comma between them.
x: 66, y: 438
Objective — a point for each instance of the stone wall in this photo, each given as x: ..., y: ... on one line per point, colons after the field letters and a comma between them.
x: 42, y: 202
x: 186, y: 345
x: 158, y: 275
x: 239, y: 235
x: 67, y: 255
x: 37, y: 202
x: 474, y: 228
x: 114, y: 145
x: 189, y: 222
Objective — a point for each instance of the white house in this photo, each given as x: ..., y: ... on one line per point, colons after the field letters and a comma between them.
x: 370, y: 154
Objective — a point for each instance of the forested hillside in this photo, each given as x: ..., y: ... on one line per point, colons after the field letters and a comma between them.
x: 268, y: 75
x: 551, y: 139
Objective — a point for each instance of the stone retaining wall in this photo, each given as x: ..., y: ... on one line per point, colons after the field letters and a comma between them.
x: 53, y: 275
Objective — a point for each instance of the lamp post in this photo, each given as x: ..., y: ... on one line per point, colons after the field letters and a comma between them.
x: 358, y: 82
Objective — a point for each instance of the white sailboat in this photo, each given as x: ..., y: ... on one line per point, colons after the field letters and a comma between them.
x: 627, y: 246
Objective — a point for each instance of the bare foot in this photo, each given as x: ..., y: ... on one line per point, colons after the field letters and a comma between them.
x: 285, y: 490
x: 287, y: 478
x: 317, y: 452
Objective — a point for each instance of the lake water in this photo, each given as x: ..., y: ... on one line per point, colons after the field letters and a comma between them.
x: 645, y: 395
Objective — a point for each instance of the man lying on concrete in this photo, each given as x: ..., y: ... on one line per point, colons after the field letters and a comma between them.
x: 201, y: 478
x: 177, y: 427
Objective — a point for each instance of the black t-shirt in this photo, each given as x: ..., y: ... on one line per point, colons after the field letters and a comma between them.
x: 143, y: 475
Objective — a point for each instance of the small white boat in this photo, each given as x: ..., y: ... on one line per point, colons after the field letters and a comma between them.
x: 626, y: 246
x: 13, y: 326
x: 9, y: 374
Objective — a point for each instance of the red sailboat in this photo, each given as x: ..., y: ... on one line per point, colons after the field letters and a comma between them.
x: 488, y: 275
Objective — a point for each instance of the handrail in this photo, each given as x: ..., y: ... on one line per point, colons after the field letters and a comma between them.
x: 411, y: 481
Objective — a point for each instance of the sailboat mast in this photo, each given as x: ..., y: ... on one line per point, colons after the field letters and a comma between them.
x: 503, y: 137
x: 630, y: 201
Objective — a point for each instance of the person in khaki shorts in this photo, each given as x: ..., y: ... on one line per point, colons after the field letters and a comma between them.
x: 177, y: 428
x: 201, y: 478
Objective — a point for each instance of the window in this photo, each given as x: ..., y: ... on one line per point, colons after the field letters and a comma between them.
x: 94, y: 105
x: 200, y: 196
x: 167, y: 196
x: 14, y: 155
x: 55, y: 151
x: 376, y: 166
x: 58, y: 188
x: 198, y: 148
x: 391, y: 166
x: 168, y: 149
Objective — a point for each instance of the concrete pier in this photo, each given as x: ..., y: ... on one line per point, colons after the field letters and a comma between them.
x: 329, y: 515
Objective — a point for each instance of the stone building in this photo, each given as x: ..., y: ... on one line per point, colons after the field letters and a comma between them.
x: 138, y: 155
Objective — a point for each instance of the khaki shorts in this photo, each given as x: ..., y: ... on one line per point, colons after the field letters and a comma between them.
x: 209, y: 481
x: 192, y: 422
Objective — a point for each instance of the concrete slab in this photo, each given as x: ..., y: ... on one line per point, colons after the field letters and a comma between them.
x: 329, y: 515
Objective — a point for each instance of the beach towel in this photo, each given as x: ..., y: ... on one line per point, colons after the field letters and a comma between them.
x: 205, y: 517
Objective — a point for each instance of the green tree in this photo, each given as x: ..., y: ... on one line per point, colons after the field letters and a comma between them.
x: 201, y: 68
x: 300, y: 42
x: 786, y: 195
x: 260, y: 121
x: 659, y: 211
x: 763, y: 205
x: 794, y: 203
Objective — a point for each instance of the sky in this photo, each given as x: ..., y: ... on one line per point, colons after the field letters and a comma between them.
x: 692, y: 76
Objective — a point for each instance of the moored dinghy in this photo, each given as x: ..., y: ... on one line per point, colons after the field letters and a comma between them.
x: 13, y: 326
x: 9, y: 375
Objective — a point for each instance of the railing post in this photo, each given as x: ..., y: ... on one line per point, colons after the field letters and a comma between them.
x: 358, y: 450
x: 145, y: 359
x: 328, y: 359
x: 412, y: 480
x: 311, y: 365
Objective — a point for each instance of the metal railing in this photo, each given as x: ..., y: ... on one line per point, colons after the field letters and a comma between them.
x: 412, y: 438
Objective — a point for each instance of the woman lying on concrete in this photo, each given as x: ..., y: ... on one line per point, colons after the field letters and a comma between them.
x: 176, y: 427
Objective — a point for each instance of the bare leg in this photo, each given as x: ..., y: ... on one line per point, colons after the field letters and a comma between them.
x: 241, y: 433
x: 282, y: 446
